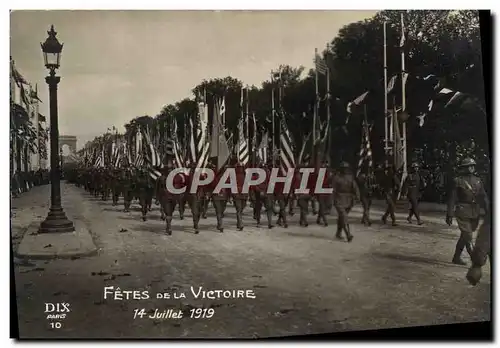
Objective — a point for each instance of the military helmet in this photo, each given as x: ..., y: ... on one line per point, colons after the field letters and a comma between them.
x: 414, y: 165
x: 468, y: 162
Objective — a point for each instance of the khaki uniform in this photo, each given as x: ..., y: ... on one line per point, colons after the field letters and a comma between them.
x: 464, y: 203
x: 345, y: 189
x: 390, y: 185
x: 412, y: 186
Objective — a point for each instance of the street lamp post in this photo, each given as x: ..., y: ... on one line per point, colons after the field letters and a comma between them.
x: 56, y: 220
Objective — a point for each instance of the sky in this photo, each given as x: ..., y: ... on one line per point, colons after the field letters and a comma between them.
x: 117, y: 65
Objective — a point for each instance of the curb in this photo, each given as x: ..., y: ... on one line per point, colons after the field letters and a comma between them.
x: 49, y: 246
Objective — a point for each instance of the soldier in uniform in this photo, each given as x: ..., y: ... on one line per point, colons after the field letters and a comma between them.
x: 219, y: 199
x: 145, y: 191
x: 466, y: 197
x: 365, y: 192
x: 302, y: 198
x: 390, y: 185
x: 412, y: 186
x: 167, y: 198
x: 323, y: 199
x: 281, y: 198
x: 240, y: 198
x: 127, y: 183
x: 263, y: 199
x: 345, y: 189
x: 115, y: 185
x: 193, y: 199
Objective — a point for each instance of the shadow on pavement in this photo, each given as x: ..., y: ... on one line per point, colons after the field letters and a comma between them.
x: 415, y: 259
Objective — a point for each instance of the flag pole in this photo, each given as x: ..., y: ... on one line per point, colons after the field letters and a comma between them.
x: 328, y: 100
x: 394, y: 125
x: 272, y: 118
x: 247, y: 116
x: 386, y: 118
x: 403, y: 97
x: 313, y: 154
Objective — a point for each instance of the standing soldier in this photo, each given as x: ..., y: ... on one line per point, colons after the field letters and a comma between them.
x: 115, y: 186
x: 365, y: 191
x: 466, y: 197
x: 412, y: 186
x: 344, y: 191
x: 390, y: 186
x: 240, y: 198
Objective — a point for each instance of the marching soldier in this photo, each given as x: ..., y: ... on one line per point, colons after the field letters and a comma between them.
x: 412, y: 186
x: 127, y: 184
x: 281, y: 198
x: 219, y: 199
x: 365, y: 192
x: 145, y: 190
x: 263, y: 199
x: 390, y: 185
x: 168, y: 199
x: 302, y: 198
x: 466, y: 197
x: 193, y: 199
x: 240, y: 198
x: 344, y: 191
x: 323, y: 199
x: 115, y: 186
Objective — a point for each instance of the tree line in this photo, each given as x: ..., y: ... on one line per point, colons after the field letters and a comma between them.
x: 443, y: 43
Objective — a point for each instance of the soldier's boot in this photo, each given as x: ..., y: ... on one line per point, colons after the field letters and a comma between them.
x: 393, y: 218
x: 270, y: 214
x: 239, y: 221
x: 163, y: 216
x: 457, y: 259
x: 205, y: 208
x: 195, y: 225
x: 168, y: 229
x: 347, y: 230
x: 323, y: 217
x: 282, y: 215
x: 417, y: 215
x: 115, y: 198
x: 384, y: 217
x: 219, y: 221
x: 144, y: 211
x: 410, y: 214
x: 291, y: 207
x: 303, y: 218
x: 182, y: 207
x: 313, y: 204
x: 338, y: 235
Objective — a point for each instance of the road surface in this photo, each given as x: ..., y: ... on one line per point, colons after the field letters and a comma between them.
x: 304, y: 280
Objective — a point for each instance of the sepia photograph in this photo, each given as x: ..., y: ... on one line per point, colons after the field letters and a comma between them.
x: 250, y: 174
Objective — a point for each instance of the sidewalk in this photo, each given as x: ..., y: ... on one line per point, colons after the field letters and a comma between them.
x: 31, y: 208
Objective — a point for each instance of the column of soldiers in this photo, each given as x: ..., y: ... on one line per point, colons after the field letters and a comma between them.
x: 466, y: 198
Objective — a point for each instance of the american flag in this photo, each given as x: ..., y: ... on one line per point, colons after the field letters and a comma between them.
x: 243, y: 154
x: 287, y: 159
x: 365, y: 153
x: 321, y: 66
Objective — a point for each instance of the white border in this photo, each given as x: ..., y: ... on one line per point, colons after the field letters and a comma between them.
x: 185, y: 4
